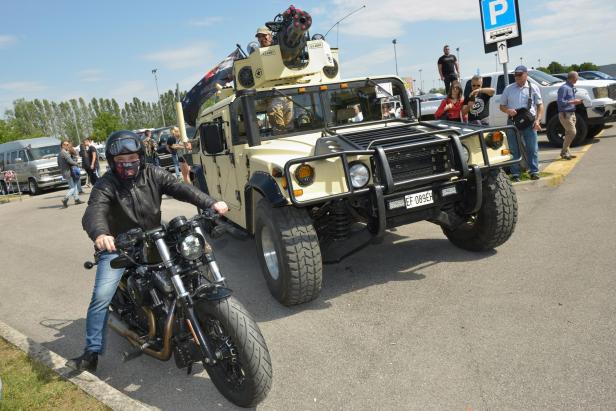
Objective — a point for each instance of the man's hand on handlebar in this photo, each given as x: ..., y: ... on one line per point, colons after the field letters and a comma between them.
x: 105, y: 242
x: 220, y: 207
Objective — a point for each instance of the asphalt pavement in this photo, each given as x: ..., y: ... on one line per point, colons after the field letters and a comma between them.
x: 413, y: 323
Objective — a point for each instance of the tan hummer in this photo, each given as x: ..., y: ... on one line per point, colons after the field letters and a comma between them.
x: 315, y: 167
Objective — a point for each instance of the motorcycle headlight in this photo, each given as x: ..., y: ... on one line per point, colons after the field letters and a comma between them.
x: 359, y: 174
x: 191, y: 247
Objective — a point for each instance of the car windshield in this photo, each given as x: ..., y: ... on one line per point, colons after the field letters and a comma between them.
x: 542, y: 78
x: 283, y: 113
x: 366, y: 102
x: 38, y: 153
x: 594, y: 75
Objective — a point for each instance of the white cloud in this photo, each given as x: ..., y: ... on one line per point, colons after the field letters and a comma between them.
x: 193, y: 55
x: 7, y: 40
x: 134, y: 88
x: 22, y: 87
x: 205, y: 22
x: 388, y: 18
x: 90, y: 75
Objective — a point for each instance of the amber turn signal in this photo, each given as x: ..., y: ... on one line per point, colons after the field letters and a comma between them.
x: 304, y: 174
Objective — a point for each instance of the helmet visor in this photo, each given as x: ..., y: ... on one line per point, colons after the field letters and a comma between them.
x: 123, y: 146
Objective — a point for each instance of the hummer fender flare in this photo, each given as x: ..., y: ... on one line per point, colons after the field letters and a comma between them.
x: 265, y: 184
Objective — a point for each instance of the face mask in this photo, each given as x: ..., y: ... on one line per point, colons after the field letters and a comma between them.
x: 127, y: 171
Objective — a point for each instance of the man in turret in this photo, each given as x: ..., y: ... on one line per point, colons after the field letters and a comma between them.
x: 264, y: 36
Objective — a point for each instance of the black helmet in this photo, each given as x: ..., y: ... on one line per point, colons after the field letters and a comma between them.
x: 123, y: 142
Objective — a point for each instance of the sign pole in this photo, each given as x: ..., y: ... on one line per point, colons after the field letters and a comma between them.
x: 506, y: 75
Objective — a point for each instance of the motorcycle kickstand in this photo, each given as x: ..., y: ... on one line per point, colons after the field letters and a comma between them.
x: 189, y: 369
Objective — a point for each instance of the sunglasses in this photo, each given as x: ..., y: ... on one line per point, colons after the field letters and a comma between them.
x: 475, y: 85
x: 124, y: 146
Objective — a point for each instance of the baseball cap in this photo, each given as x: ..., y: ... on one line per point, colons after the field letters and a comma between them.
x: 263, y: 30
x: 521, y: 69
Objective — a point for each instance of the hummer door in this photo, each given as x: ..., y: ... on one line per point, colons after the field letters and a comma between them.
x: 220, y: 168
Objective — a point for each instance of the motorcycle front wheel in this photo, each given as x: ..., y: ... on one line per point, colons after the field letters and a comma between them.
x: 243, y: 371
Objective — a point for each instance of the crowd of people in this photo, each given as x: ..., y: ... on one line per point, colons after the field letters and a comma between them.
x: 520, y: 101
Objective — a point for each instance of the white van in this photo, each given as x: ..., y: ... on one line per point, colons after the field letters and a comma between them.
x: 34, y: 162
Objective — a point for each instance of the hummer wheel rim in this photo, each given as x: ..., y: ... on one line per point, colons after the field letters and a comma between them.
x: 269, y: 253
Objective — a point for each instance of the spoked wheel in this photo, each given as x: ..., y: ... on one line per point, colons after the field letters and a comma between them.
x: 243, y: 372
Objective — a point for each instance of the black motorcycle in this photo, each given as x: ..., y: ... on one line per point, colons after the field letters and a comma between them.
x: 172, y: 299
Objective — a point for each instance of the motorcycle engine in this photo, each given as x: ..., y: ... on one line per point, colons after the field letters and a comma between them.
x: 137, y: 288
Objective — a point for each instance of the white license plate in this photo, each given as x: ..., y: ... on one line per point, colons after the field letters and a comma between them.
x: 418, y: 199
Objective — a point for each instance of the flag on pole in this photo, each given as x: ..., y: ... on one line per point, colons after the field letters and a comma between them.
x: 220, y: 75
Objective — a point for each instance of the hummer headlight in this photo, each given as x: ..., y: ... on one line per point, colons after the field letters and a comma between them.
x: 494, y: 140
x: 304, y: 174
x: 466, y: 154
x: 360, y: 175
x: 191, y: 247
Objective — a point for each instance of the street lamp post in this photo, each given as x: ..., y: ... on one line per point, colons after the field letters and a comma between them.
x: 420, y: 82
x: 154, y: 71
x: 521, y: 60
x: 395, y: 55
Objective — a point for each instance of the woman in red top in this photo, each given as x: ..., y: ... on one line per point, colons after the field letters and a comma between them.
x: 451, y: 106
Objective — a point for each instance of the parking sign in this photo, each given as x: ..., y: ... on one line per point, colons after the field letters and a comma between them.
x: 500, y: 21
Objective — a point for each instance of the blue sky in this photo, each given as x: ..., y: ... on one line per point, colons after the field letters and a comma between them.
x: 64, y: 49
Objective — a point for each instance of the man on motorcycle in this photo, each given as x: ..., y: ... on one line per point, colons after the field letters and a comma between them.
x: 129, y: 196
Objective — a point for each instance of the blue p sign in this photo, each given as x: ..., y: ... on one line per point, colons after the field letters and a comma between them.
x: 498, y: 13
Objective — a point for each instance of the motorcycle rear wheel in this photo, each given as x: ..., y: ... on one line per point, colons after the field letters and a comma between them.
x: 244, y: 373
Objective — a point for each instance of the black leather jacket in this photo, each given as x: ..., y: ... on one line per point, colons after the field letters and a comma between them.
x: 115, y: 207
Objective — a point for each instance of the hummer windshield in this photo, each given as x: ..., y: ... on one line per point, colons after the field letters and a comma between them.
x: 313, y: 108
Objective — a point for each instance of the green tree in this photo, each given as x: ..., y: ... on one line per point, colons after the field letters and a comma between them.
x: 7, y: 132
x: 555, y: 67
x: 586, y: 66
x: 104, y: 124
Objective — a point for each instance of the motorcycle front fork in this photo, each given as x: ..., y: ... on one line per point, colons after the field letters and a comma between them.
x: 185, y: 301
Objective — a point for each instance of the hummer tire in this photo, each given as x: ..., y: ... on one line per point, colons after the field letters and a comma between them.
x: 495, y: 221
x: 289, y: 253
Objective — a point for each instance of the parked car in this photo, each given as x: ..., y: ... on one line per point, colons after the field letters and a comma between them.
x: 595, y: 75
x: 598, y: 109
x: 429, y: 104
x: 160, y: 135
x: 34, y: 163
x: 562, y: 76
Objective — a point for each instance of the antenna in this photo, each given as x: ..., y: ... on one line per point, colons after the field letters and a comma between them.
x: 338, y: 22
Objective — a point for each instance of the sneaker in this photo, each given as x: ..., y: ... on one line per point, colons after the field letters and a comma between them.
x: 565, y: 156
x: 78, y: 201
x: 515, y: 179
x: 534, y: 176
x: 65, y: 203
x: 88, y: 361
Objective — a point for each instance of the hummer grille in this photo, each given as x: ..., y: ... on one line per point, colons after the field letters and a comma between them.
x: 409, y: 163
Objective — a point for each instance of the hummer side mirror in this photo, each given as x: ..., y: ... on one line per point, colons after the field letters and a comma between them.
x: 212, y: 138
x: 19, y: 160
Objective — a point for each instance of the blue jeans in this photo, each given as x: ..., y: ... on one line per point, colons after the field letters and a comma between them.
x: 73, y: 188
x: 105, y: 285
x: 176, y: 164
x: 529, y: 135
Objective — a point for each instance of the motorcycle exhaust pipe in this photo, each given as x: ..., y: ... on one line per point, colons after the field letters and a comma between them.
x: 120, y: 327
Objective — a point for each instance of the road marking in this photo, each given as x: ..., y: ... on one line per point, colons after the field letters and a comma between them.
x: 560, y: 168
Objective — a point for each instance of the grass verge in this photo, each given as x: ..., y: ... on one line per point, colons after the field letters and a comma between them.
x: 28, y: 385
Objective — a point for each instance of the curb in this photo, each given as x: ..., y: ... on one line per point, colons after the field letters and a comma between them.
x: 88, y: 382
x: 559, y: 169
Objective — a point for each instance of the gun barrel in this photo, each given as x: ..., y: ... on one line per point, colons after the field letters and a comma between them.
x: 292, y: 36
